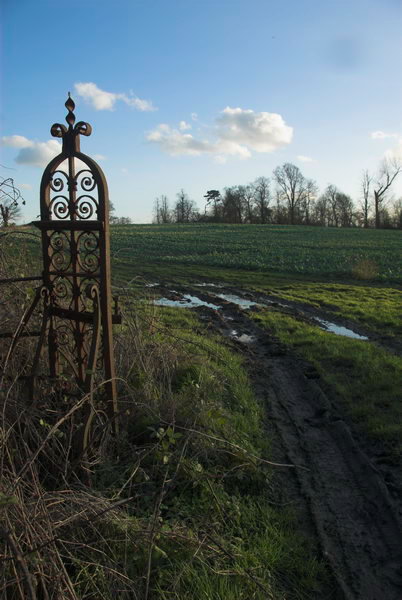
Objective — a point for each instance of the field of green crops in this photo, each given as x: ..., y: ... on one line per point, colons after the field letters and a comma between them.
x: 299, y: 250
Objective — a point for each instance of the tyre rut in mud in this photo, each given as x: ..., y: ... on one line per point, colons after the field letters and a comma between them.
x: 358, y: 523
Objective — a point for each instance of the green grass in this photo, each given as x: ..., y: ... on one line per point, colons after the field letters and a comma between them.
x: 377, y: 308
x: 311, y: 251
x: 366, y: 378
x: 219, y: 535
x: 191, y: 417
x: 317, y: 266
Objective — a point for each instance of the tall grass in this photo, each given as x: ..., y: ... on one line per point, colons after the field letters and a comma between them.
x: 181, y: 504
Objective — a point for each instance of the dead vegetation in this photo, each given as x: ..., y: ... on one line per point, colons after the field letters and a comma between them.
x: 180, y: 504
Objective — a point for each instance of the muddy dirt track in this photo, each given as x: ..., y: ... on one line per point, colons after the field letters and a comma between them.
x: 357, y: 518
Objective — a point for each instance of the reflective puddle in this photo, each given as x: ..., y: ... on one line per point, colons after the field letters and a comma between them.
x: 190, y: 301
x: 244, y: 338
x: 242, y: 302
x: 187, y: 301
x: 339, y: 330
x: 216, y: 285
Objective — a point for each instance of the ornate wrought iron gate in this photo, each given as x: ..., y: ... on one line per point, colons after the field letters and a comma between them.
x: 76, y: 292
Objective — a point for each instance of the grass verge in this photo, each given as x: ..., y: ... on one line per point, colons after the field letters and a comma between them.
x: 366, y: 378
x: 376, y: 306
x: 183, y: 506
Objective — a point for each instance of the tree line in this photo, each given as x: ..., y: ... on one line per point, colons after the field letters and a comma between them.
x: 288, y: 197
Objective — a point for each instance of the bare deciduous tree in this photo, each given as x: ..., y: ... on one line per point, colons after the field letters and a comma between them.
x: 292, y: 185
x: 331, y: 194
x: 262, y: 197
x: 365, y: 187
x: 247, y: 192
x: 388, y: 172
x: 10, y: 200
x: 338, y: 207
x: 162, y: 213
x: 184, y: 209
x: 309, y: 199
x: 233, y: 205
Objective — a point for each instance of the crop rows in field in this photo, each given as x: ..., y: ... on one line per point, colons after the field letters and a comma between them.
x: 365, y: 254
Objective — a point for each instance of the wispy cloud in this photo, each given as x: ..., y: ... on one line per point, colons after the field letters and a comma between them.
x: 174, y: 142
x: 183, y: 126
x: 381, y: 135
x: 304, y: 159
x: 238, y: 132
x: 35, y: 154
x: 102, y: 100
x: 16, y: 141
x: 395, y: 153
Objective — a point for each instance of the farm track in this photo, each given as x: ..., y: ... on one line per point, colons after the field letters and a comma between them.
x: 358, y: 523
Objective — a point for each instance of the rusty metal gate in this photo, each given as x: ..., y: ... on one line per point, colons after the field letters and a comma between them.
x: 75, y: 295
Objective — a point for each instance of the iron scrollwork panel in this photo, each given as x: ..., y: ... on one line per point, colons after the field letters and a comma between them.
x: 75, y: 244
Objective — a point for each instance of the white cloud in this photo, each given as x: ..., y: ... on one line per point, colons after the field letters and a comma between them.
x: 229, y: 148
x: 395, y: 153
x: 305, y: 159
x: 39, y: 154
x: 381, y: 135
x: 238, y: 131
x: 102, y: 100
x: 194, y: 116
x: 36, y: 154
x: 262, y: 132
x: 174, y: 142
x: 16, y: 141
x: 183, y: 126
x: 25, y: 186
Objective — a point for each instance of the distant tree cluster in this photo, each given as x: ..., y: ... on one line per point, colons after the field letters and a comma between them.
x: 288, y: 197
x: 114, y: 220
x: 183, y: 211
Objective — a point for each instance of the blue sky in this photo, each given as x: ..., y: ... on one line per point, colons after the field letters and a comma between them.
x: 202, y: 94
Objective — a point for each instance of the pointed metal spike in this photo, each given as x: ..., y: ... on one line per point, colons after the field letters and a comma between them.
x: 70, y: 105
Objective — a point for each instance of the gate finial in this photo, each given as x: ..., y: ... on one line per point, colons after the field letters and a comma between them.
x: 70, y: 136
x: 70, y: 105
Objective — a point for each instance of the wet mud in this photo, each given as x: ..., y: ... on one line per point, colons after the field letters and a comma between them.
x: 353, y: 501
x: 221, y: 296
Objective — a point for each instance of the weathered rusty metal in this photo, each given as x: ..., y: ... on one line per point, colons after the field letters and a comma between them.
x: 76, y: 292
x: 75, y: 295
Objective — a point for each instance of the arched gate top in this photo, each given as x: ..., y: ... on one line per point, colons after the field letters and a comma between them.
x: 73, y: 185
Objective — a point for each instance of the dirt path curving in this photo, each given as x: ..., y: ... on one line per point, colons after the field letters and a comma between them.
x: 358, y: 523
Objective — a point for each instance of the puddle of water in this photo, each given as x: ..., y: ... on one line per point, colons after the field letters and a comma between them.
x: 188, y: 301
x: 276, y: 303
x: 339, y: 330
x: 242, y: 302
x: 217, y: 285
x: 244, y: 338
